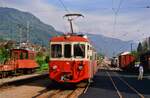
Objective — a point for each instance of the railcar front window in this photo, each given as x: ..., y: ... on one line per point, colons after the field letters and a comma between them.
x: 56, y: 51
x: 79, y: 50
x: 67, y: 51
x: 24, y: 55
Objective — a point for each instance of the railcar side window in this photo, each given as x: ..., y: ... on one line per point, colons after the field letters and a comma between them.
x: 88, y: 47
x: 21, y: 55
x: 67, y: 51
x: 31, y: 56
x: 79, y: 50
x: 15, y: 55
x: 56, y: 51
x: 26, y: 56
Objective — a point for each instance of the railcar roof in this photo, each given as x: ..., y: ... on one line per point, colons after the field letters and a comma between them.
x: 30, y: 51
x: 71, y: 38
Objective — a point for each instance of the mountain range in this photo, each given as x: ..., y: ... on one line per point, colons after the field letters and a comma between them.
x: 21, y: 26
x: 17, y: 25
x: 111, y: 46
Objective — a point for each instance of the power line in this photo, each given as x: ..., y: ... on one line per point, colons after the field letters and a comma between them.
x: 119, y: 6
x: 64, y: 6
x: 116, y: 11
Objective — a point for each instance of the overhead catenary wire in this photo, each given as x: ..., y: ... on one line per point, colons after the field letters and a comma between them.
x: 69, y: 16
x: 115, y: 14
x: 64, y: 6
x: 65, y: 9
x: 116, y: 11
x: 119, y: 6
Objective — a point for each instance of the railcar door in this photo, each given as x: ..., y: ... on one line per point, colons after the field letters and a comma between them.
x: 149, y: 62
x: 90, y: 53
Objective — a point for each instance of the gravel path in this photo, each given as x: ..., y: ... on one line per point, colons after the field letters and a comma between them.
x: 25, y: 91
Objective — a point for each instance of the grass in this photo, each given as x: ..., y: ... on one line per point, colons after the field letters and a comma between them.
x: 42, y: 68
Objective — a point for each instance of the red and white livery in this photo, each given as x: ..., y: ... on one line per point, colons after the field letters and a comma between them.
x: 72, y: 59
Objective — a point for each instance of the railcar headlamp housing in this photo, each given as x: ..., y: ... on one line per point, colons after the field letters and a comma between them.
x: 80, y: 67
x: 54, y: 67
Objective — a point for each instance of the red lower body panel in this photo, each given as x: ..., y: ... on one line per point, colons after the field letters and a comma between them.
x: 69, y: 71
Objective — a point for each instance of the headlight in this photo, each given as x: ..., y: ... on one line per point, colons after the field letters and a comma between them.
x: 54, y: 67
x: 80, y: 67
x: 5, y: 67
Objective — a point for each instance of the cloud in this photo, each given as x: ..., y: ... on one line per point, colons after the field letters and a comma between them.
x: 131, y: 25
x: 42, y: 9
x: 132, y: 22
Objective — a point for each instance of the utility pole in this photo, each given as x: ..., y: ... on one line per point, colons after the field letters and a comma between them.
x: 131, y: 46
x: 11, y: 32
x: 20, y: 33
x: 113, y: 53
x: 71, y: 17
x: 148, y: 43
x: 28, y: 35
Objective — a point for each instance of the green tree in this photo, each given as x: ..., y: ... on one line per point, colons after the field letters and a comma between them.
x: 136, y: 55
x: 139, y: 48
x: 47, y: 59
x: 145, y: 47
x: 4, y: 54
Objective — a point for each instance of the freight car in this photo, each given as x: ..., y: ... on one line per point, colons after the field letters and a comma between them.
x: 145, y: 60
x: 21, y: 61
x: 72, y: 59
x: 126, y: 61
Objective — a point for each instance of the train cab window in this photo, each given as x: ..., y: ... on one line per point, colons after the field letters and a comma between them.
x: 15, y: 55
x: 24, y: 55
x: 88, y: 47
x: 56, y: 51
x: 31, y: 55
x: 67, y: 51
x: 88, y: 51
x: 79, y: 50
x: 21, y: 55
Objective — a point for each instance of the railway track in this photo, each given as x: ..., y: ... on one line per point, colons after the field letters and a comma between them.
x: 40, y: 87
x: 69, y: 93
x: 125, y: 83
x: 60, y: 92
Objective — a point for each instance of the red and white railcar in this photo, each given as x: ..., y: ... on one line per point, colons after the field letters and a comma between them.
x: 72, y: 59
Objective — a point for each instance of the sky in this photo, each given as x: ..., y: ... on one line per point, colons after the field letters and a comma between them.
x: 122, y: 19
